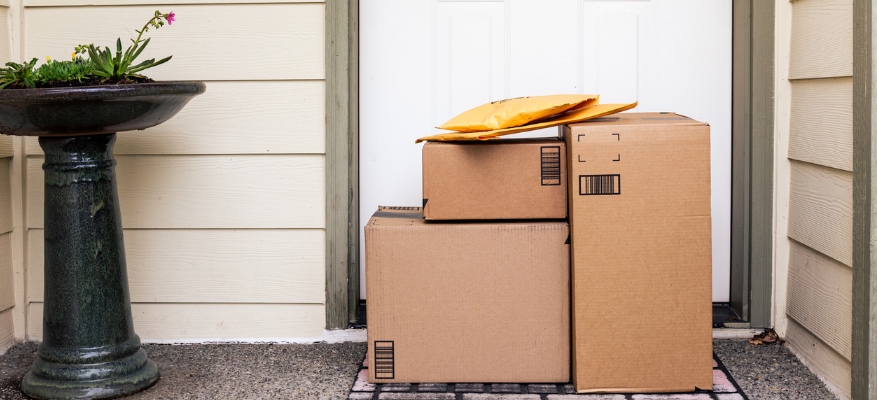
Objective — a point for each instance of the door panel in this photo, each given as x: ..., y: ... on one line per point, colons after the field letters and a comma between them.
x: 424, y: 61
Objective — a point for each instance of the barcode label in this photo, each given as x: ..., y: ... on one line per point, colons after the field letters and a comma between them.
x: 384, y: 363
x: 599, y: 184
x: 550, y: 165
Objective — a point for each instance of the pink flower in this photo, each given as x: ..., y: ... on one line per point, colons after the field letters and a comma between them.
x: 170, y: 18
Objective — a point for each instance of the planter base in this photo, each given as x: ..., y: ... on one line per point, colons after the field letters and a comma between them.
x: 122, y: 377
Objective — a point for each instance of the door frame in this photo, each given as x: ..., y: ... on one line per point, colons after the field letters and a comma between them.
x: 752, y: 162
x: 342, y: 162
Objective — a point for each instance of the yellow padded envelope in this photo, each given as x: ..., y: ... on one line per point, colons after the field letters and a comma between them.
x: 576, y: 115
x: 519, y: 111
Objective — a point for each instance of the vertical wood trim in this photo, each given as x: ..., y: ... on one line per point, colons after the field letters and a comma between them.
x: 782, y: 166
x: 864, y: 345
x: 338, y: 152
x: 740, y: 128
x: 353, y: 154
x: 761, y: 169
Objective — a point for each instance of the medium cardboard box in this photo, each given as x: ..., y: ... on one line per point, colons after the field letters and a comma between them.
x: 466, y: 301
x: 495, y: 179
x: 641, y: 253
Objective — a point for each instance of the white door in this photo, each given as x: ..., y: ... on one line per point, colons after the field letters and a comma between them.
x: 424, y: 61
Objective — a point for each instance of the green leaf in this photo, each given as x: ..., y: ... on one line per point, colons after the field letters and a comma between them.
x: 140, y: 50
x: 151, y: 64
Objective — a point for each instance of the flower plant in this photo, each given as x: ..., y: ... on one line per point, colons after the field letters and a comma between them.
x: 101, y: 66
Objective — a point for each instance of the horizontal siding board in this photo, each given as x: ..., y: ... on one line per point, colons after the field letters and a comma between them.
x: 7, y: 291
x: 821, y: 123
x: 821, y: 210
x: 178, y: 192
x: 207, y: 42
x: 283, y: 117
x: 820, y: 297
x: 5, y: 50
x: 5, y: 146
x: 822, y: 39
x: 68, y: 3
x: 212, y: 266
x: 5, y: 195
x: 212, y: 322
x: 827, y: 363
x: 7, y: 331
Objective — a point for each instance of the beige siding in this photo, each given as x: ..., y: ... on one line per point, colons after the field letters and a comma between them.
x: 5, y: 196
x: 236, y: 117
x: 821, y: 298
x: 213, y: 266
x: 5, y: 146
x: 5, y: 49
x: 822, y: 39
x: 7, y: 293
x: 821, y: 210
x: 7, y: 224
x: 826, y: 363
x: 817, y: 181
x: 68, y: 3
x: 236, y: 42
x: 169, y: 322
x: 7, y: 333
x: 224, y: 205
x: 210, y: 191
x: 822, y: 122
x: 7, y: 288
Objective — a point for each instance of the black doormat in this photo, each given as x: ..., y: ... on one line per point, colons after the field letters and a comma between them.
x: 724, y: 388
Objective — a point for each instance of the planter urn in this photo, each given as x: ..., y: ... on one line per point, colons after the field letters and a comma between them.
x: 89, y: 347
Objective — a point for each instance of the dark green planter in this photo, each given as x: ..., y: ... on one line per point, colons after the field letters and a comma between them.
x: 89, y: 347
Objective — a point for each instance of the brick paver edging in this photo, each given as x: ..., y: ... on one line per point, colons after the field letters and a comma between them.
x: 724, y: 388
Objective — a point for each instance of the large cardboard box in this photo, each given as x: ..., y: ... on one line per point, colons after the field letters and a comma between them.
x: 641, y: 253
x: 466, y: 301
x: 495, y: 179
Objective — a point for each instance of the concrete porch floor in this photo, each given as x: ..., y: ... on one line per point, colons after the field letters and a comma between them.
x: 329, y: 371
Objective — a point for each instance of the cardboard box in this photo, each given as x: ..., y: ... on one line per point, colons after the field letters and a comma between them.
x: 496, y: 179
x: 467, y: 301
x: 641, y: 253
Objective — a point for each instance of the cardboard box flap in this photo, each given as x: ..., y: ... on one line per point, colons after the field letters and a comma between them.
x: 651, y: 118
x: 399, y: 216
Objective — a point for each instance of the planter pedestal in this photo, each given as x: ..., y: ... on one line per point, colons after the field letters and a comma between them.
x: 89, y: 346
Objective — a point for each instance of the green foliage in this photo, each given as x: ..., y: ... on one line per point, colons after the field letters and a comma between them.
x: 118, y: 66
x: 20, y: 75
x: 54, y: 73
x: 101, y: 66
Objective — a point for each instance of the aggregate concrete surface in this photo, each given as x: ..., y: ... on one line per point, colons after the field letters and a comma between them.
x: 768, y: 372
x: 227, y: 371
x: 328, y: 371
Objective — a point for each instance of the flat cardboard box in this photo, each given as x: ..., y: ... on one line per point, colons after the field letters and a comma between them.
x: 495, y: 179
x: 466, y: 301
x: 641, y: 253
